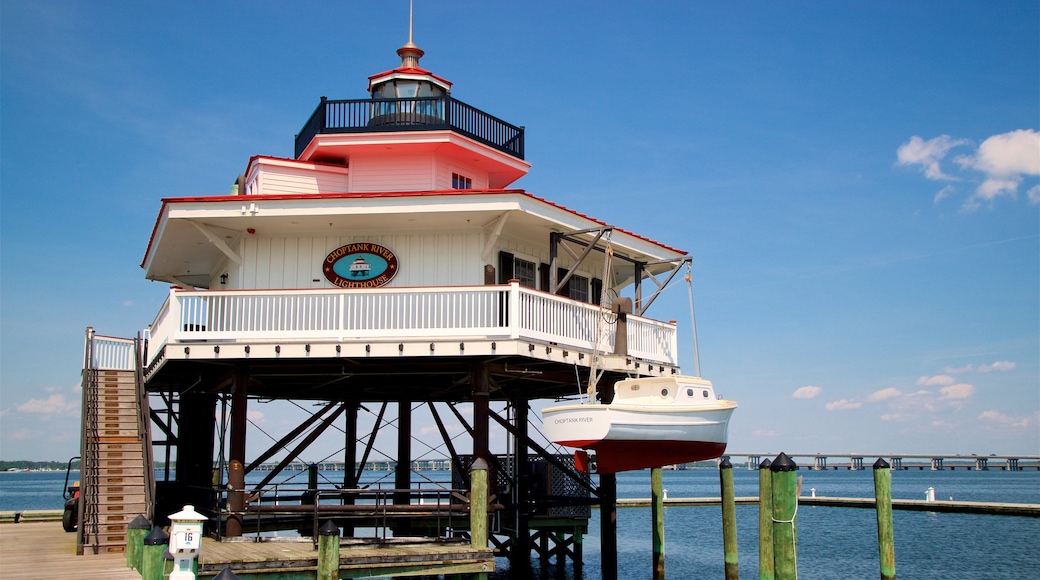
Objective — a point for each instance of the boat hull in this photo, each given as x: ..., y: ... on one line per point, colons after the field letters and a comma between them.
x: 626, y: 438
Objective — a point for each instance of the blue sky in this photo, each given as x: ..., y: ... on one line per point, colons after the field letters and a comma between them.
x: 857, y: 183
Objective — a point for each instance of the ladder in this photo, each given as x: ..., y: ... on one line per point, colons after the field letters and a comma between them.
x: 117, y: 479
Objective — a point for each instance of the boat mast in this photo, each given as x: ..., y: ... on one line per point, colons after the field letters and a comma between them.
x: 693, y: 323
x: 601, y: 328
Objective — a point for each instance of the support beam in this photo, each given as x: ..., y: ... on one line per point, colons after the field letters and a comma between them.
x: 403, y: 471
x: 479, y: 380
x: 608, y: 525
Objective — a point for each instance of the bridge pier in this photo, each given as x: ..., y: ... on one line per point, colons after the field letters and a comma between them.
x: 897, y: 463
x: 820, y: 463
x: 856, y: 463
x: 1012, y: 464
x: 752, y: 462
x: 937, y: 463
x: 981, y: 464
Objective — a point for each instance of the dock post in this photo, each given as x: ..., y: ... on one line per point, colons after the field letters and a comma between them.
x: 328, y: 552
x: 883, y: 504
x: 608, y: 526
x: 136, y: 530
x: 657, y: 517
x: 785, y: 508
x: 765, y: 521
x: 236, y: 498
x: 729, y: 519
x: 154, y: 547
x: 478, y: 503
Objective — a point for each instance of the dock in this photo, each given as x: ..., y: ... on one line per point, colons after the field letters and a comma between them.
x: 40, y: 548
x: 1031, y: 510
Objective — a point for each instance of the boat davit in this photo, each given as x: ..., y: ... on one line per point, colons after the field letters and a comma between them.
x: 652, y: 422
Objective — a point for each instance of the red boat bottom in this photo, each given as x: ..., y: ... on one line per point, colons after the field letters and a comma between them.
x: 614, y: 456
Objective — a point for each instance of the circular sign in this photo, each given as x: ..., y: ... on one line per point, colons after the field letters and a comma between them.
x: 361, y: 265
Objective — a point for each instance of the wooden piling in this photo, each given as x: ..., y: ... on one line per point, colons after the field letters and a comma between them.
x: 136, y: 530
x: 883, y: 505
x: 154, y: 547
x: 765, y: 521
x: 608, y: 526
x: 657, y: 517
x: 328, y: 552
x: 729, y: 519
x: 478, y: 501
x: 236, y: 498
x: 785, y: 508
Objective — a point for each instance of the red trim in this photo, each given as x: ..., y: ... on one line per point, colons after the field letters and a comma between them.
x: 407, y: 70
x: 613, y: 456
x: 379, y: 194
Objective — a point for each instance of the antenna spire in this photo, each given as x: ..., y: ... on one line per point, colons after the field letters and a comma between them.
x: 409, y: 53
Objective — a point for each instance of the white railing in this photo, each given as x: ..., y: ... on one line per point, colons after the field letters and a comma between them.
x: 474, y: 312
x: 111, y: 354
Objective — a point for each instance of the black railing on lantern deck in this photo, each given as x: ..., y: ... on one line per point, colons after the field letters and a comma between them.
x: 421, y: 114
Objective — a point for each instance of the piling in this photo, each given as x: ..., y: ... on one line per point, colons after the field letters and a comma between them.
x: 478, y: 501
x: 785, y: 508
x: 236, y: 498
x: 729, y: 519
x: 765, y: 521
x: 883, y: 503
x: 657, y: 517
x: 136, y: 530
x: 153, y: 563
x: 328, y: 552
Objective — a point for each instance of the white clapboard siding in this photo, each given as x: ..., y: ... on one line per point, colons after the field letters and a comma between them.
x: 276, y: 176
x: 425, y: 259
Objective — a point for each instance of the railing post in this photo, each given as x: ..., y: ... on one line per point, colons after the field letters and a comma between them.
x: 514, y: 309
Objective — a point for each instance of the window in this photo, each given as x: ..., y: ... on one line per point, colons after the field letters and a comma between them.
x: 510, y: 267
x: 578, y: 288
x: 461, y: 182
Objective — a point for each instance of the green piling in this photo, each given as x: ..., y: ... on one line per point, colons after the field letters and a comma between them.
x: 328, y: 552
x: 154, y: 548
x: 729, y: 519
x: 478, y: 502
x: 785, y: 508
x: 765, y: 521
x: 136, y: 530
x: 883, y: 504
x: 657, y: 517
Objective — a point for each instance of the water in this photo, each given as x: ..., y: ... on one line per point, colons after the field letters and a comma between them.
x: 833, y: 543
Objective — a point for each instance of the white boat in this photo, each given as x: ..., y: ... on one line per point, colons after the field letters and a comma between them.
x: 652, y: 422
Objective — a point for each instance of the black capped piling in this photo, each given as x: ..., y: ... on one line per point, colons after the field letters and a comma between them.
x: 226, y: 574
x: 152, y: 560
x: 765, y: 521
x: 883, y: 505
x: 785, y: 507
x: 328, y: 551
x: 135, y: 533
x: 729, y: 518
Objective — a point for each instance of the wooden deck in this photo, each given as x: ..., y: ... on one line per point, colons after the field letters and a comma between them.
x: 44, y: 550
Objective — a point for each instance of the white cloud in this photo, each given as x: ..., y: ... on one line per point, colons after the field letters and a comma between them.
x: 928, y: 154
x: 958, y: 371
x: 1002, y: 419
x: 943, y: 194
x: 843, y: 405
x: 935, y: 380
x: 889, y: 393
x: 52, y: 405
x: 1005, y: 160
x: 959, y: 391
x: 807, y: 392
x: 1033, y: 194
x: 1001, y: 365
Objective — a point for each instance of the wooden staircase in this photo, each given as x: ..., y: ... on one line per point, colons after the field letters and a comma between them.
x: 117, y: 479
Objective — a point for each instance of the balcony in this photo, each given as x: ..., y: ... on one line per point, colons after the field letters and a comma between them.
x: 384, y: 322
x: 418, y: 114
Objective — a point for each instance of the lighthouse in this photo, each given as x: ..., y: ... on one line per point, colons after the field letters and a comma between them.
x: 390, y: 267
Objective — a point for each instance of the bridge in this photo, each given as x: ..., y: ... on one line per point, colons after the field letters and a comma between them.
x: 934, y: 461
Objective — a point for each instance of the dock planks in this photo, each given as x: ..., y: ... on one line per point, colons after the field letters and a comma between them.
x: 45, y: 550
